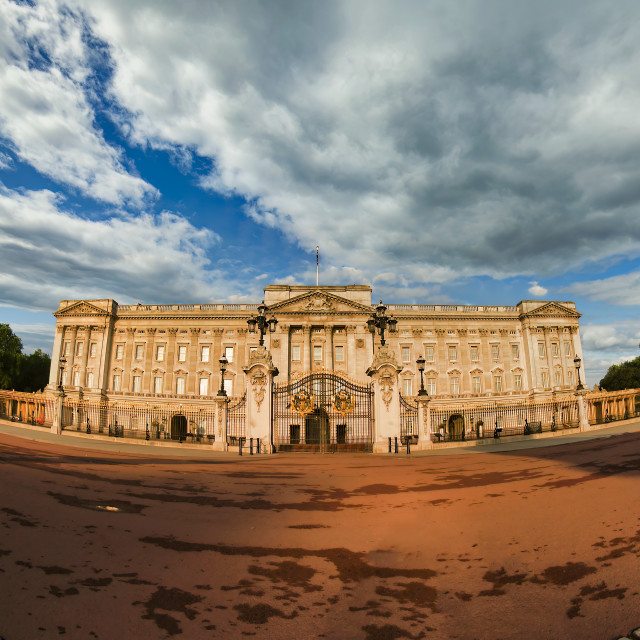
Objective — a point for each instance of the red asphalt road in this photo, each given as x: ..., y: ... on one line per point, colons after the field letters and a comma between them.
x: 542, y: 543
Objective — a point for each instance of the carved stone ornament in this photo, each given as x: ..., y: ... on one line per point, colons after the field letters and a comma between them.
x: 259, y: 386
x: 319, y: 302
x: 275, y: 343
x: 219, y: 422
x: 386, y: 387
x: 384, y: 355
x: 260, y: 355
x: 359, y: 343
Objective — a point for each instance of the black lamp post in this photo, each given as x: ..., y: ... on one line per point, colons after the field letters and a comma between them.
x: 262, y: 323
x: 379, y: 320
x: 577, y: 362
x: 420, y: 362
x: 223, y: 368
x: 62, y: 361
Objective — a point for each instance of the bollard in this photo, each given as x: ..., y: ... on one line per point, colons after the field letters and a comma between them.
x: 250, y: 446
x: 239, y: 446
x: 396, y: 444
x: 148, y: 435
x: 88, y: 427
x: 258, y: 445
x: 389, y: 444
x: 408, y: 445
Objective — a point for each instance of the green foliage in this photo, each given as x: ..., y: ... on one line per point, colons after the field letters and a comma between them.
x: 625, y: 375
x: 10, y: 351
x: 17, y: 370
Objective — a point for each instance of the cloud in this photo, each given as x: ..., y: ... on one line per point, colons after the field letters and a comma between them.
x: 536, y: 290
x: 434, y: 142
x: 45, y: 113
x: 48, y: 254
x: 620, y: 290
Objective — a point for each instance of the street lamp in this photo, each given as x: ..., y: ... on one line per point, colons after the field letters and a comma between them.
x: 420, y: 362
x: 62, y: 361
x: 379, y: 320
x: 260, y: 321
x: 223, y: 368
x: 577, y: 362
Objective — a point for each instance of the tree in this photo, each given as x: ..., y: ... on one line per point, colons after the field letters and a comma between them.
x: 33, y: 371
x: 10, y: 351
x: 625, y: 375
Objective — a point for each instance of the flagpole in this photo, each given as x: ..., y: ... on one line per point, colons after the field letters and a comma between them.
x: 317, y: 266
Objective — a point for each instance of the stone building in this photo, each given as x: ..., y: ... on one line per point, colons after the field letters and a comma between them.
x: 114, y: 351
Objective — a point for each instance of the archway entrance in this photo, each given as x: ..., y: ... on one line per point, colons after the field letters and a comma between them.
x: 316, y: 427
x: 455, y: 426
x: 178, y: 427
x: 598, y: 408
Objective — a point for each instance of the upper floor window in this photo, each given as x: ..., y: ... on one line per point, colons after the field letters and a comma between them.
x: 567, y: 348
x: 116, y: 382
x: 119, y: 351
x: 79, y: 348
x: 515, y: 351
x: 541, y: 350
x: 228, y: 354
x: 431, y: 386
x: 92, y: 350
x: 517, y: 382
x: 407, y: 387
x: 406, y: 354
x: 67, y: 348
x: 136, y: 384
x: 475, y: 353
x: 453, y: 352
x: 295, y: 353
x: 495, y: 351
x: 317, y: 352
x: 497, y: 383
x: 545, y: 379
x: 555, y: 352
x: 339, y: 353
x: 454, y: 384
x: 182, y: 353
x: 204, y: 355
x: 475, y: 384
x: 157, y: 384
x: 428, y: 353
x: 160, y: 352
x: 204, y: 386
x: 90, y: 379
x: 139, y: 351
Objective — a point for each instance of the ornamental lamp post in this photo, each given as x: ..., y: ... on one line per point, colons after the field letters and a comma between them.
x: 62, y: 360
x: 262, y: 323
x: 577, y: 362
x: 379, y: 320
x: 223, y: 368
x: 420, y: 362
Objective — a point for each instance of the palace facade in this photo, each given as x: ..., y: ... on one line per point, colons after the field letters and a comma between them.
x: 112, y: 351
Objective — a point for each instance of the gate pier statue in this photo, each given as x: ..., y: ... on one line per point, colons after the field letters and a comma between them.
x: 384, y: 372
x: 260, y: 373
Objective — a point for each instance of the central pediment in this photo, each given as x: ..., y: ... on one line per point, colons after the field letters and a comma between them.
x: 319, y: 301
x: 553, y: 310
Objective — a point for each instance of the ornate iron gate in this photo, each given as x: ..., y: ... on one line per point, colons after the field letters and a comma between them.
x: 236, y: 421
x: 323, y: 412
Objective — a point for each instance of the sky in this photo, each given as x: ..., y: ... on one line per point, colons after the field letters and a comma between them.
x: 471, y: 152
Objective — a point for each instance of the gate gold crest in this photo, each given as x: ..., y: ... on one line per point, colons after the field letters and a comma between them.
x: 343, y: 403
x: 302, y: 402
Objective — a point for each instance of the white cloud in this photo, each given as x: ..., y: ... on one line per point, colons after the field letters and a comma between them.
x: 620, y: 290
x: 48, y: 254
x: 435, y: 142
x: 536, y: 290
x: 45, y: 113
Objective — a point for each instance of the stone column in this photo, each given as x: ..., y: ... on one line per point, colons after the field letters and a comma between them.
x: 72, y: 353
x: 58, y: 348
x: 424, y: 423
x: 85, y: 356
x: 306, y: 332
x: 192, y: 362
x: 259, y: 374
x: 220, y: 442
x: 126, y: 366
x: 352, y: 366
x: 147, y: 379
x: 56, y: 425
x: 169, y: 386
x: 547, y: 347
x: 582, y: 409
x: 384, y: 371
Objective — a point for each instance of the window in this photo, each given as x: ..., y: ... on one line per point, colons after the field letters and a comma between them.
x: 554, y: 349
x: 475, y: 353
x: 119, y: 351
x: 431, y: 386
x: 64, y: 377
x: 228, y: 354
x: 92, y: 350
x: 545, y: 379
x: 517, y: 382
x: 406, y: 354
x: 90, y: 379
x: 429, y: 353
x: 541, y: 349
x: 116, y: 382
x: 79, y: 348
x: 515, y: 351
x: 180, y: 384
x: 339, y: 353
x: 454, y: 384
x: 136, y: 384
x: 182, y: 352
x: 295, y: 353
x: 407, y: 387
x: 570, y: 376
x: 475, y: 384
x: 204, y: 386
x: 160, y: 352
x: 67, y: 348
x: 453, y: 352
x: 76, y: 378
x: 139, y: 351
x: 157, y: 384
x: 204, y: 355
x: 405, y: 333
x: 228, y: 386
x: 497, y: 384
x: 558, y: 377
x: 252, y: 350
x: 495, y: 351
x: 567, y: 348
x: 317, y: 352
